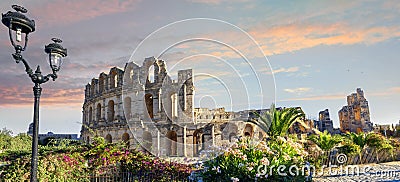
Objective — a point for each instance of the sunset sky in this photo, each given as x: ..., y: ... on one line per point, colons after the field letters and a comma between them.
x: 319, y: 52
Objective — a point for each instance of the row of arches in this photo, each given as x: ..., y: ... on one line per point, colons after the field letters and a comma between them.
x: 95, y: 114
x: 125, y: 138
x: 171, y: 145
x: 171, y: 106
x: 104, y: 83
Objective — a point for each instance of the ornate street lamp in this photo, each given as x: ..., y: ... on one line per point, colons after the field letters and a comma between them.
x: 20, y: 26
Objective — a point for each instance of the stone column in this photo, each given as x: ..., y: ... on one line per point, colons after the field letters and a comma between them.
x: 184, y: 141
x: 213, y: 134
x: 156, y: 100
x: 158, y: 144
x: 119, y: 111
x: 103, y: 109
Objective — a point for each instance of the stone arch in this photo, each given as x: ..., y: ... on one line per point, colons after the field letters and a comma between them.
x: 230, y: 128
x: 150, y: 64
x: 108, y: 138
x: 182, y: 97
x: 232, y: 137
x: 260, y: 135
x: 110, y: 111
x: 98, y: 112
x: 147, y: 141
x: 125, y: 138
x: 129, y: 74
x: 90, y: 114
x: 172, y: 143
x: 149, y: 104
x: 94, y: 87
x: 102, y: 82
x: 248, y: 131
x: 128, y: 107
x: 151, y: 74
x: 113, y: 76
x: 87, y: 140
x: 197, y: 142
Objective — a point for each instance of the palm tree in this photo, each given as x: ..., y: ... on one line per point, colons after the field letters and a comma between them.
x: 326, y: 141
x: 379, y: 143
x: 276, y: 122
x: 359, y: 140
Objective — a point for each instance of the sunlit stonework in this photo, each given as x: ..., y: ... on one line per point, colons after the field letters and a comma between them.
x: 156, y: 114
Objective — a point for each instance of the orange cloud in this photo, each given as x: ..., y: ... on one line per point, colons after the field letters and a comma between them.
x: 69, y: 11
x: 387, y: 92
x: 288, y: 38
x: 14, y: 96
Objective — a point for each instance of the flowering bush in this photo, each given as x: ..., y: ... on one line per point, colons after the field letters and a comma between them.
x: 249, y: 160
x: 77, y: 162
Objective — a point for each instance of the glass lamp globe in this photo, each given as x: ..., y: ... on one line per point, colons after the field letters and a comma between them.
x: 55, y: 61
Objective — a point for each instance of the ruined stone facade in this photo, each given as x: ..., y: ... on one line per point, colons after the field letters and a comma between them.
x: 324, y: 122
x: 157, y: 115
x: 355, y: 117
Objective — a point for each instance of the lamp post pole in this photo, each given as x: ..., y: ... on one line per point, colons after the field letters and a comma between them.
x: 19, y: 25
x: 37, y: 91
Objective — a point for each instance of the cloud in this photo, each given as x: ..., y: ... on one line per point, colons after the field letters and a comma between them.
x: 388, y: 92
x: 69, y: 11
x: 317, y: 97
x: 291, y: 37
x: 215, y: 2
x: 18, y: 96
x: 342, y: 96
x: 286, y: 70
x: 298, y: 90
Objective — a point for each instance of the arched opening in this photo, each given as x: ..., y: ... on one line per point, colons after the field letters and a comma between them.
x: 125, y: 139
x: 147, y: 141
x: 110, y: 111
x: 260, y: 135
x: 101, y: 83
x: 115, y: 81
x: 90, y: 115
x: 197, y: 142
x: 149, y: 104
x: 98, y: 112
x: 131, y: 76
x: 230, y: 130
x: 108, y: 138
x: 232, y: 137
x: 172, y: 143
x: 87, y: 140
x: 151, y: 76
x: 127, y: 108
x: 248, y: 131
x: 182, y: 93
x: 174, y: 105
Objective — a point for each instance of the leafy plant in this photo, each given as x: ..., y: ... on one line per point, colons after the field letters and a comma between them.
x: 248, y: 160
x: 65, y: 161
x: 326, y: 141
x: 276, y: 122
x: 379, y: 143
